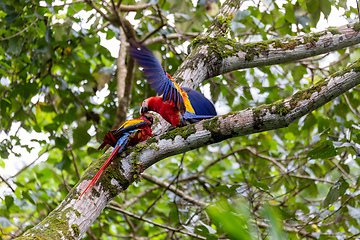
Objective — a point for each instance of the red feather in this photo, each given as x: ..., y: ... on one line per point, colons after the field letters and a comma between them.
x: 130, y: 133
x: 102, y: 169
x: 179, y: 106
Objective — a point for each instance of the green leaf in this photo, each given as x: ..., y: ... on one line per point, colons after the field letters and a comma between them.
x: 276, y: 226
x: 48, y: 35
x: 290, y: 136
x: 312, y: 6
x: 110, y: 35
x: 7, y: 8
x: 28, y: 197
x: 289, y: 13
x: 260, y: 185
x: 15, y: 45
x: 335, y: 192
x: 9, y: 201
x: 325, y: 6
x: 61, y: 142
x: 234, y: 221
x: 10, y: 18
x: 325, y: 150
x: 65, y: 162
x: 5, y: 105
x: 80, y: 136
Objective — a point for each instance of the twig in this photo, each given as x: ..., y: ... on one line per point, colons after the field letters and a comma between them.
x: 163, y: 192
x: 133, y: 8
x: 2, y: 179
x: 174, y: 190
x: 25, y: 167
x: 351, y: 108
x: 157, y: 29
x: 171, y: 36
x: 155, y: 223
x: 287, y: 229
x: 18, y: 33
x: 98, y: 10
x: 75, y: 165
x: 343, y: 171
x: 136, y: 198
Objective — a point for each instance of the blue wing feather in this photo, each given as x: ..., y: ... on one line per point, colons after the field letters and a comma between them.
x: 200, y: 104
x: 122, y: 142
x: 156, y: 75
x: 189, y: 118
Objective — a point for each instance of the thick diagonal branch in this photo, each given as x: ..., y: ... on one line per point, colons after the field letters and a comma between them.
x: 81, y: 214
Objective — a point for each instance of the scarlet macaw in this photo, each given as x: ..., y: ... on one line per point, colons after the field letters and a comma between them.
x: 130, y: 133
x: 179, y: 106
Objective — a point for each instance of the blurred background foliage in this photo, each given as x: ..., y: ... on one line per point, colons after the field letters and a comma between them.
x: 58, y: 99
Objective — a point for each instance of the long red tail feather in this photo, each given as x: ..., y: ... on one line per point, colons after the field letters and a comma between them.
x: 102, y: 169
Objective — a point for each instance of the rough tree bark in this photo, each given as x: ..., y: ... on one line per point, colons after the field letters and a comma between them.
x: 72, y: 218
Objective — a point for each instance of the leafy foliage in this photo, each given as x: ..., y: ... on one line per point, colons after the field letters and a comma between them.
x: 55, y: 72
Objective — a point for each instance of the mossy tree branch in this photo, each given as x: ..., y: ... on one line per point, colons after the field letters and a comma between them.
x: 211, y: 57
x: 72, y: 218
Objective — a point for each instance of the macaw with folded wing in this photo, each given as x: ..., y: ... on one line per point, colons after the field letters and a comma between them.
x: 130, y: 133
x: 178, y: 106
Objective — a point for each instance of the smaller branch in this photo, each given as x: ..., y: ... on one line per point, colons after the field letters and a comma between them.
x: 75, y: 165
x: 27, y: 166
x: 131, y: 225
x: 155, y: 223
x: 287, y: 229
x: 311, y: 221
x: 311, y: 178
x: 99, y: 10
x: 18, y: 33
x: 115, y: 12
x: 102, y: 27
x: 174, y: 190
x: 353, y: 236
x: 152, y: 33
x: 271, y: 159
x: 170, y: 185
x: 351, y: 108
x: 118, y: 4
x: 343, y: 171
x: 157, y: 29
x: 134, y: 8
x: 296, y: 190
x: 134, y: 199
x: 2, y: 179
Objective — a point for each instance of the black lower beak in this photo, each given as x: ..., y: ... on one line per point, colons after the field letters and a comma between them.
x: 143, y: 110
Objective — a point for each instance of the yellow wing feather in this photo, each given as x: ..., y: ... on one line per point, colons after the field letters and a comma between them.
x: 184, y: 95
x: 131, y: 122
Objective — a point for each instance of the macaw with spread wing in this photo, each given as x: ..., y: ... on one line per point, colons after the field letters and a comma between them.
x: 129, y: 134
x: 179, y: 106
